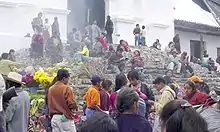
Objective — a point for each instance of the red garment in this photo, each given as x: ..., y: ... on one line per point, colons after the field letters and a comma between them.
x: 126, y: 46
x: 141, y: 95
x: 38, y: 39
x: 113, y: 108
x: 103, y: 42
x: 198, y: 98
x: 105, y: 100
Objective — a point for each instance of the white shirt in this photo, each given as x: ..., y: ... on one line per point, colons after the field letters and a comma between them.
x: 2, y: 90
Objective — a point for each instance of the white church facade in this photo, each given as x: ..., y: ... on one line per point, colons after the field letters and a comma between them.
x: 156, y: 15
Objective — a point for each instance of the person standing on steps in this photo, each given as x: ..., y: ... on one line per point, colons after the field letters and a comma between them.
x: 143, y: 36
x: 137, y: 34
x: 109, y: 27
x: 176, y: 40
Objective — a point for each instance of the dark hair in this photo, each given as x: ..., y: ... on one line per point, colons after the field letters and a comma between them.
x: 137, y: 24
x: 159, y: 80
x: 143, y: 27
x: 185, y: 53
x: 120, y: 49
x: 62, y: 73
x: 106, y: 84
x: 99, y: 122
x: 191, y: 84
x: 11, y: 50
x: 138, y: 52
x: 126, y: 98
x: 120, y: 42
x: 170, y: 43
x: 10, y: 84
x: 55, y: 18
x: 168, y: 80
x: 133, y: 75
x: 4, y: 55
x: 179, y: 116
x: 120, y: 81
x: 111, y: 48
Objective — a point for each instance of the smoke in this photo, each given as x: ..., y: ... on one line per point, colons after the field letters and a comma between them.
x: 77, y: 17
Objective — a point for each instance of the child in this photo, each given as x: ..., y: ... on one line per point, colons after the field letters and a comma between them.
x: 92, y: 97
x: 104, y: 95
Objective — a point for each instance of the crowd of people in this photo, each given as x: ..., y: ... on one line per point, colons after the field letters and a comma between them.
x: 129, y: 105
x: 125, y: 105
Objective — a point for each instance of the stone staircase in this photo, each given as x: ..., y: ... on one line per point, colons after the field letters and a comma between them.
x: 154, y: 67
x: 155, y: 62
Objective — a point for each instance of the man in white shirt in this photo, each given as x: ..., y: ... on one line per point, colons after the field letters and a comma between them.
x: 143, y: 35
x: 174, y: 62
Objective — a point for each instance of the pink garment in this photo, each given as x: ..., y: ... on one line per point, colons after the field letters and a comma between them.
x: 103, y: 42
x: 141, y: 95
x: 113, y: 108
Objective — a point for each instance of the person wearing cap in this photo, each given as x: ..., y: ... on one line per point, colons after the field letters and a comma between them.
x: 200, y: 84
x: 174, y: 62
x: 212, y: 114
x: 62, y: 104
x: 92, y: 96
x: 17, y: 112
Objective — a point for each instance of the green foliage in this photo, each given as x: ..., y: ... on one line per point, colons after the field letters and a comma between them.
x: 37, y: 102
x: 36, y: 96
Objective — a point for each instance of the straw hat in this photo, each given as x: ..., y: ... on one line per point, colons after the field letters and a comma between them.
x: 15, y: 77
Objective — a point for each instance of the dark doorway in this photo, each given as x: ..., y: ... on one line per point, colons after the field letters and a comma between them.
x: 196, y: 48
x: 96, y: 12
x: 77, y: 16
x: 84, y: 12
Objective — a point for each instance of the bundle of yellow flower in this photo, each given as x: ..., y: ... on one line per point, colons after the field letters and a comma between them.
x: 44, y: 78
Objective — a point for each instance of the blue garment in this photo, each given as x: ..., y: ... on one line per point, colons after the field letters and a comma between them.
x: 142, y: 107
x: 17, y: 112
x: 133, y: 123
x: 137, y: 39
x: 89, y: 113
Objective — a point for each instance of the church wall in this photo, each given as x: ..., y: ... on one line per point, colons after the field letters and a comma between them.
x: 156, y: 15
x: 17, y: 15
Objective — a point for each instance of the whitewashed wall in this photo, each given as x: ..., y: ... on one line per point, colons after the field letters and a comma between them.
x: 212, y: 42
x: 156, y: 15
x: 16, y: 17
